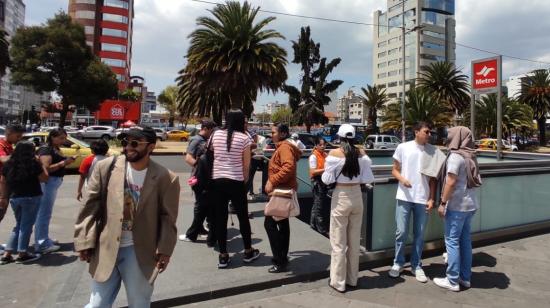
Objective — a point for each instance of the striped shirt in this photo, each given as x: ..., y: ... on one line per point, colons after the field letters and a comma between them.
x: 229, y: 165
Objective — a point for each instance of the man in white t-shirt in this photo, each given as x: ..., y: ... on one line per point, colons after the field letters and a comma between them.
x: 415, y: 196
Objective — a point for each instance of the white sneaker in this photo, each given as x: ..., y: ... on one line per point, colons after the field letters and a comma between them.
x: 463, y: 283
x: 395, y: 270
x: 420, y: 276
x: 183, y: 237
x: 446, y: 284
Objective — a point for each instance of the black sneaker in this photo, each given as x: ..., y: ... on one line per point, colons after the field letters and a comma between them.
x: 251, y: 255
x: 29, y: 257
x: 6, y: 260
x: 223, y: 261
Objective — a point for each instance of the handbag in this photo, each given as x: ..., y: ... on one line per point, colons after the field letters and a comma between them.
x: 282, y: 204
x: 332, y: 186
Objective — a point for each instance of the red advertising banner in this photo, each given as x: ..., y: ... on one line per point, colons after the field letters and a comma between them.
x: 485, y: 75
x: 114, y: 110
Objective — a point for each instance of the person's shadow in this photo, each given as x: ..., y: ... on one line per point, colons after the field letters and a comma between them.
x: 58, y: 258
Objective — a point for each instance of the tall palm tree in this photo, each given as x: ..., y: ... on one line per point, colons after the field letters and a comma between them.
x: 235, y: 55
x: 375, y: 98
x: 535, y: 92
x: 4, y: 52
x: 420, y: 106
x: 447, y: 84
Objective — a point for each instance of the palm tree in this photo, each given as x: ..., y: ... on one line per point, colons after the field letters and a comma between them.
x: 234, y: 55
x: 420, y: 106
x: 446, y: 84
x: 168, y: 100
x: 535, y: 92
x: 4, y: 52
x: 375, y: 98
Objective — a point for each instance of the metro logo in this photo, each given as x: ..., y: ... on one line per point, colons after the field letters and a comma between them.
x: 485, y: 74
x: 117, y: 112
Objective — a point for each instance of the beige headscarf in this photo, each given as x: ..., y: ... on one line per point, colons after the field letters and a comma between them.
x: 460, y: 141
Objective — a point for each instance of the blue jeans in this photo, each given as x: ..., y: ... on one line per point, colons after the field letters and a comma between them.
x: 138, y: 288
x: 403, y: 213
x: 25, y: 210
x: 459, y: 245
x: 42, y: 225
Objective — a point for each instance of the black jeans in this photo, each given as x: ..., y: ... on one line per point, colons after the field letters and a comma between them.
x: 226, y: 190
x: 202, y: 211
x: 278, y: 233
x: 254, y: 165
x: 320, y: 210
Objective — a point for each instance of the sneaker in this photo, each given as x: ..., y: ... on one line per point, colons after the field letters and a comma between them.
x: 223, y: 261
x: 29, y: 257
x: 183, y: 237
x: 251, y: 255
x: 395, y: 270
x: 6, y: 260
x: 446, y: 284
x: 420, y: 276
x: 464, y: 283
x: 49, y: 249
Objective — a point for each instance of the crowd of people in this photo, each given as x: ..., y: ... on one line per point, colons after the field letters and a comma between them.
x: 126, y: 227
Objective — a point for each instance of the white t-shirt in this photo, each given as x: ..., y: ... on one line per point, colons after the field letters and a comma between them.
x: 409, y: 154
x: 463, y: 198
x: 333, y: 169
x: 312, y: 162
x: 134, y: 179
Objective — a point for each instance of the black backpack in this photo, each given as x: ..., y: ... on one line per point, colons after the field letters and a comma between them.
x: 203, y: 169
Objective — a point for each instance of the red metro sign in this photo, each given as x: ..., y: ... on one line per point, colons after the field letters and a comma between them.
x: 485, y: 75
x: 117, y: 112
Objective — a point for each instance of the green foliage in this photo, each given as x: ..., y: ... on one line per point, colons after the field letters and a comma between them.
x: 130, y: 95
x: 447, y: 84
x: 55, y: 57
x: 263, y: 117
x: 375, y: 98
x: 308, y: 104
x: 4, y: 52
x: 230, y: 59
x: 168, y: 100
x: 284, y: 115
x: 535, y: 92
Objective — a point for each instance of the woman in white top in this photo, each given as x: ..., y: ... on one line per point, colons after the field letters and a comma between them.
x: 349, y: 167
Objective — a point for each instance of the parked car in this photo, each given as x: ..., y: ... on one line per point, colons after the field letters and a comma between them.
x: 491, y: 144
x: 177, y: 135
x: 307, y: 139
x: 72, y: 147
x: 161, y: 134
x: 95, y: 132
x: 382, y: 142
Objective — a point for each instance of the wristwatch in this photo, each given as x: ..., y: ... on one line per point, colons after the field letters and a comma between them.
x: 444, y: 203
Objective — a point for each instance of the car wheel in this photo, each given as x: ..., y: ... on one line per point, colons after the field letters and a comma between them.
x: 183, y: 139
x: 106, y: 137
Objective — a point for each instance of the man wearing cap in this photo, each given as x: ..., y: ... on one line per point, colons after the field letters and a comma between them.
x: 415, y: 196
x: 126, y: 228
x: 202, y: 210
x: 14, y: 133
x: 297, y: 142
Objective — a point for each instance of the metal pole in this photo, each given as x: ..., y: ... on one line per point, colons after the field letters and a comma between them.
x: 472, y: 116
x: 499, y: 109
x: 403, y: 55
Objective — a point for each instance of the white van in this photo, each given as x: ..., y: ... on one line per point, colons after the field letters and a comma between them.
x: 382, y: 142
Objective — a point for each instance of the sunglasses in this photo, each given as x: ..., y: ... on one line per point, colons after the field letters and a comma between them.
x: 133, y: 143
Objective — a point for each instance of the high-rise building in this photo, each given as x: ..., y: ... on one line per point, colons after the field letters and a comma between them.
x: 14, y: 100
x: 430, y: 37
x: 350, y: 108
x: 108, y: 25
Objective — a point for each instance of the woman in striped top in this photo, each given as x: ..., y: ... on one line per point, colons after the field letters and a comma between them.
x: 230, y: 173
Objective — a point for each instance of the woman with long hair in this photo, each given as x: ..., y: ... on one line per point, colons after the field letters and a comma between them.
x: 348, y: 167
x: 55, y: 163
x: 22, y: 173
x: 282, y: 175
x: 230, y: 172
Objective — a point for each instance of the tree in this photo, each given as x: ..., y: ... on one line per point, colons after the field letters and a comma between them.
x: 308, y: 103
x: 283, y: 115
x: 420, y: 106
x: 375, y: 98
x: 168, y: 100
x: 55, y: 57
x: 535, y: 92
x: 446, y: 84
x: 234, y: 55
x: 263, y: 117
x: 4, y: 52
x: 130, y: 95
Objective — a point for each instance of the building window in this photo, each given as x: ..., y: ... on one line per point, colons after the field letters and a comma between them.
x: 393, y: 40
x: 392, y: 95
x: 392, y: 84
x: 392, y: 73
x: 433, y: 18
x: 446, y: 6
x: 432, y: 57
x: 114, y: 32
x: 116, y: 3
x: 113, y: 47
x: 392, y: 51
x: 434, y: 34
x: 381, y: 86
x: 395, y: 22
x: 432, y: 46
x: 114, y: 62
x: 382, y: 65
x: 393, y: 62
x: 120, y: 78
x: 382, y: 44
x: 85, y: 1
x: 381, y: 54
x: 85, y: 14
x: 115, y: 18
x: 89, y: 30
x: 383, y: 24
x: 382, y: 75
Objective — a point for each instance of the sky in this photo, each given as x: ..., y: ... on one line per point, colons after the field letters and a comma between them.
x: 161, y: 27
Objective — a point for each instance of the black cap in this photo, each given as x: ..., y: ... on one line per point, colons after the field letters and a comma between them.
x: 139, y: 132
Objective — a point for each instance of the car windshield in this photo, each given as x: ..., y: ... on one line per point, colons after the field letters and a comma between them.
x: 81, y: 143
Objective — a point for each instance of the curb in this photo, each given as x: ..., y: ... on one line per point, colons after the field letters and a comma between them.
x: 180, y: 153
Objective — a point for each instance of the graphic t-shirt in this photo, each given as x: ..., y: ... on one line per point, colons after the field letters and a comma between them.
x: 132, y: 190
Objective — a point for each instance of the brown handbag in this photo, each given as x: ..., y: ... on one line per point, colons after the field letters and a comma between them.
x: 282, y: 204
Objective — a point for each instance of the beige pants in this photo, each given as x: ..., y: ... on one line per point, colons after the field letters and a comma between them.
x: 346, y: 217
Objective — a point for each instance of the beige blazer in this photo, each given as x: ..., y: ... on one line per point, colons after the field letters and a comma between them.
x: 154, y: 229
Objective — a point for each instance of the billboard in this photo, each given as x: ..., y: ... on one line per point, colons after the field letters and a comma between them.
x: 115, y: 110
x: 486, y: 75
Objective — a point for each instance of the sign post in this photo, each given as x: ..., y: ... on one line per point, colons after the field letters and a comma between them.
x: 487, y: 78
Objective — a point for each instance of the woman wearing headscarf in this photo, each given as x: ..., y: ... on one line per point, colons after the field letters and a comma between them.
x: 458, y: 205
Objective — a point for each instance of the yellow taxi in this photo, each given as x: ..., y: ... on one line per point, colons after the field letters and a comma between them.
x: 72, y: 147
x: 491, y: 144
x: 177, y: 135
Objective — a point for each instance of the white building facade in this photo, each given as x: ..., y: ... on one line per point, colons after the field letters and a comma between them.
x: 350, y: 108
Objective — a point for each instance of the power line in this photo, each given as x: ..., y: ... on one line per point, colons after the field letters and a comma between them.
x: 371, y: 24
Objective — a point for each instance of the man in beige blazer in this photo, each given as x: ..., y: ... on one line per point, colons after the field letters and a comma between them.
x: 139, y: 206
